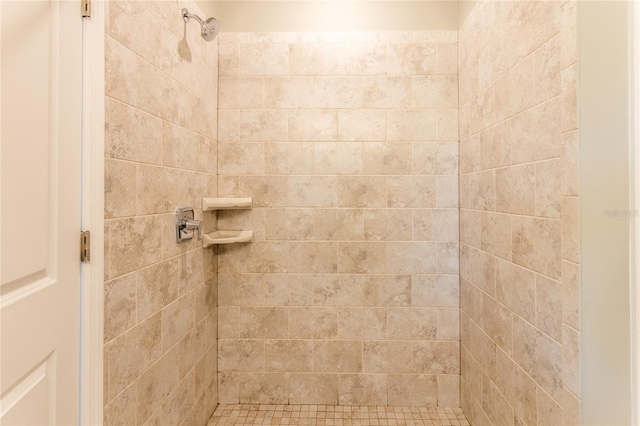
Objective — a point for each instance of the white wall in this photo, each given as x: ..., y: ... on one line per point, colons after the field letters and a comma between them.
x: 603, y: 96
x: 333, y: 15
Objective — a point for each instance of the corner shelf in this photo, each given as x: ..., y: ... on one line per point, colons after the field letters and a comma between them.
x: 222, y: 236
x: 226, y: 237
x: 226, y: 203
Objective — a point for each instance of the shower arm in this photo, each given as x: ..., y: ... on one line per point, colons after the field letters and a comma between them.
x: 186, y: 16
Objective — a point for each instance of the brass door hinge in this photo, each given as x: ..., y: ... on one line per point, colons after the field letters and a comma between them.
x: 86, y: 8
x: 85, y: 246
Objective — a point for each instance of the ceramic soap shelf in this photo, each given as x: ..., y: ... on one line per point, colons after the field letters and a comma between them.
x: 222, y: 236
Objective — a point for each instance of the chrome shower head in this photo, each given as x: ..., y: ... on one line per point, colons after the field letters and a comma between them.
x: 208, y: 29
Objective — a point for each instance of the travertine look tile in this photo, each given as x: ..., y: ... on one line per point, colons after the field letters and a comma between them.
x: 413, y: 390
x: 411, y: 58
x: 240, y: 355
x: 338, y: 290
x: 131, y: 353
x: 177, y: 320
x: 497, y: 323
x: 313, y: 125
x: 289, y: 355
x: 447, y: 193
x: 570, y: 228
x: 288, y: 158
x: 122, y: 409
x: 569, y: 107
x: 240, y: 289
x: 124, y: 124
x: 263, y: 322
x: 339, y: 356
x: 266, y: 191
x: 363, y: 389
x: 241, y: 92
x: 515, y: 189
x: 434, y: 290
x: 538, y: 131
x: 495, y: 234
x: 362, y: 323
x: 288, y: 92
x: 386, y: 357
x: 289, y: 224
x: 288, y: 290
x: 338, y: 224
x: 537, y: 245
x: 571, y: 376
x: 331, y: 158
x: 387, y: 225
x: 411, y: 125
x: 134, y: 243
x: 263, y: 59
x: 539, y: 356
x: 312, y: 191
x: 387, y: 92
x: 571, y: 294
x: 313, y: 257
x: 156, y: 287
x: 448, y: 390
x: 362, y: 258
x: 435, y: 92
x: 362, y: 191
x: 413, y: 324
x: 411, y: 191
x: 313, y: 389
x: 448, y: 324
x: 412, y: 257
x: 241, y: 158
x: 313, y: 323
x: 549, y: 411
x: 362, y: 125
x: 337, y: 92
x: 436, y: 357
x: 435, y: 225
x: 386, y: 158
x: 330, y: 201
x: 516, y: 289
x: 119, y: 192
x: 119, y: 305
x: 387, y: 290
x: 549, y: 307
x: 435, y: 159
x: 259, y: 256
x: 497, y: 407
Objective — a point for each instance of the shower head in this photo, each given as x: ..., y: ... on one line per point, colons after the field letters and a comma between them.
x: 208, y: 29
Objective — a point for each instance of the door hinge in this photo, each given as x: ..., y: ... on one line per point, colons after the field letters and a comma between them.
x: 86, y: 8
x: 85, y: 246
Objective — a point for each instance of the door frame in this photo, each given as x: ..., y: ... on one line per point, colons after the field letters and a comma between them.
x: 92, y: 273
x: 634, y: 201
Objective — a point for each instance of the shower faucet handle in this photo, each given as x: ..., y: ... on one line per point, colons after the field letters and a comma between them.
x: 186, y: 225
x: 192, y: 225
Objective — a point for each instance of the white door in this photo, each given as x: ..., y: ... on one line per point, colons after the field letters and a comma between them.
x: 40, y: 176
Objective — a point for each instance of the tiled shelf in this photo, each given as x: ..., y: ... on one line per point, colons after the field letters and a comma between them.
x: 222, y: 236
x: 226, y: 237
x: 226, y: 203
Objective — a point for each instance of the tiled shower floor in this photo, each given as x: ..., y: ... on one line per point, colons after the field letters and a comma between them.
x: 334, y: 415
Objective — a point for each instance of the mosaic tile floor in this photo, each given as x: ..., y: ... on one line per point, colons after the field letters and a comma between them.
x: 332, y: 415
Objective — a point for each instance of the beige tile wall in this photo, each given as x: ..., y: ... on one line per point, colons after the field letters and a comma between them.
x: 519, y: 260
x: 348, y: 144
x: 161, y: 154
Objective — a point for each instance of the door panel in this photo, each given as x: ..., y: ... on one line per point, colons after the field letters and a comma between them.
x: 40, y: 154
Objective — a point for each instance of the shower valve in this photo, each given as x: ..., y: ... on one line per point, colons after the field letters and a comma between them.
x: 186, y: 225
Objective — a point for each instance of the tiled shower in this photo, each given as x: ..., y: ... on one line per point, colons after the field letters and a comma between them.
x: 414, y: 216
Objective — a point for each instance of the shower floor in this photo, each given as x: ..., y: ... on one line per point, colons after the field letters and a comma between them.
x: 335, y: 415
